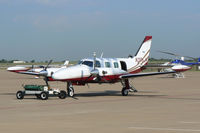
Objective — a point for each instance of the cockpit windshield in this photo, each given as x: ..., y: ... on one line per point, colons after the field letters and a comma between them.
x: 89, y: 63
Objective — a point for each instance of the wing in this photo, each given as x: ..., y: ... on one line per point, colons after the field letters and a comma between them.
x: 158, y: 66
x: 34, y: 73
x: 126, y: 76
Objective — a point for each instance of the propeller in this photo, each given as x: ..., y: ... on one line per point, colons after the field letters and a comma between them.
x: 95, y: 72
x: 168, y: 53
x: 31, y: 68
x: 44, y: 71
x: 177, y: 55
x: 48, y: 65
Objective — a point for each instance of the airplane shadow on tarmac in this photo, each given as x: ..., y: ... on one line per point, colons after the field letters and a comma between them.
x: 116, y: 93
x: 139, y: 94
x: 103, y: 94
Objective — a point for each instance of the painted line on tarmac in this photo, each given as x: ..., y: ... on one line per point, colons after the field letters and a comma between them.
x: 165, y: 129
x: 189, y: 122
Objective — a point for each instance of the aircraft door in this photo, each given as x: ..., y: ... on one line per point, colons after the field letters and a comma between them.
x: 123, y: 65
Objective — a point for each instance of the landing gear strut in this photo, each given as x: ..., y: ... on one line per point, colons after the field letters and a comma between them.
x: 70, y: 89
x: 127, y: 87
x: 179, y: 75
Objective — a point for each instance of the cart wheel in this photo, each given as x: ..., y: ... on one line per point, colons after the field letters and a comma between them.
x: 20, y: 95
x: 44, y: 95
x: 62, y: 94
x: 38, y: 96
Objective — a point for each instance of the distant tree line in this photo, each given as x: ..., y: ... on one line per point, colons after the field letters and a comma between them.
x: 6, y: 61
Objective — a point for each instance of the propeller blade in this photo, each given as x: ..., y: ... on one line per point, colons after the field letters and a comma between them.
x: 177, y: 55
x: 191, y: 58
x: 168, y: 53
x: 88, y: 78
x: 48, y: 65
x: 32, y: 67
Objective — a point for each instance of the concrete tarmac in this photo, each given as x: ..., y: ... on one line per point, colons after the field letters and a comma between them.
x: 162, y: 105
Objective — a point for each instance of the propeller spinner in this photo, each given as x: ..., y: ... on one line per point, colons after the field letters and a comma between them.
x: 44, y: 71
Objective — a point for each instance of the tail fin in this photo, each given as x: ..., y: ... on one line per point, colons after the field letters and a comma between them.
x: 142, y: 54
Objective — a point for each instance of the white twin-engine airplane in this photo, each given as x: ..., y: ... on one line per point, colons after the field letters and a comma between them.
x: 107, y: 70
x: 103, y: 70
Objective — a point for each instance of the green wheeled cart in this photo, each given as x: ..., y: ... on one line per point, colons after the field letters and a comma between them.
x: 41, y: 92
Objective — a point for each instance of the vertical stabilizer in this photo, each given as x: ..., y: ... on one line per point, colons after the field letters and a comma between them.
x: 142, y: 54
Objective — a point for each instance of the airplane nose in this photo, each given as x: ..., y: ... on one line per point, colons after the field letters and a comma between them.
x: 69, y: 73
x: 56, y: 76
x: 9, y: 69
x: 59, y: 75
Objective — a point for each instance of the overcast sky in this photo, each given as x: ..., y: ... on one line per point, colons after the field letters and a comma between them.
x: 74, y: 29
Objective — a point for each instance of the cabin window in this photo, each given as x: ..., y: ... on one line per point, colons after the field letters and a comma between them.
x: 116, y: 65
x: 98, y: 64
x: 88, y: 63
x: 107, y: 64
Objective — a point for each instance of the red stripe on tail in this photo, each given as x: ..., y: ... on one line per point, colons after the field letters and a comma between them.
x: 147, y: 38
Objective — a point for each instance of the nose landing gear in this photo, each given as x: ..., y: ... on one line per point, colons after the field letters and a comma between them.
x: 70, y: 89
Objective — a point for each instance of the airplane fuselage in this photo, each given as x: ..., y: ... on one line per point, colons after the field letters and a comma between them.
x: 109, y: 69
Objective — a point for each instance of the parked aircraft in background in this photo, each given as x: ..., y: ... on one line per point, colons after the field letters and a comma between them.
x: 36, y: 69
x: 178, y: 65
x: 177, y: 68
x: 196, y: 61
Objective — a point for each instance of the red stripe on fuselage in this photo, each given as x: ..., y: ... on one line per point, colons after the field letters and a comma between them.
x: 182, y: 70
x: 104, y: 79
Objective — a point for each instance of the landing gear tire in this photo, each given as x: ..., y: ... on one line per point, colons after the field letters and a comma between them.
x: 124, y: 92
x: 70, y: 91
x: 20, y: 95
x: 44, y: 95
x: 62, y: 94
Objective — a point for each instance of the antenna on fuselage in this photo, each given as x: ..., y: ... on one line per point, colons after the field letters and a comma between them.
x: 101, y: 55
x: 95, y: 56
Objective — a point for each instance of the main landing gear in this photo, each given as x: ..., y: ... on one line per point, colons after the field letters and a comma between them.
x: 179, y: 75
x: 127, y: 87
x: 70, y: 89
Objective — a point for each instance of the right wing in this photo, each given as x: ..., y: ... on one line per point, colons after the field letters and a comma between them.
x: 42, y: 73
x: 126, y: 76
